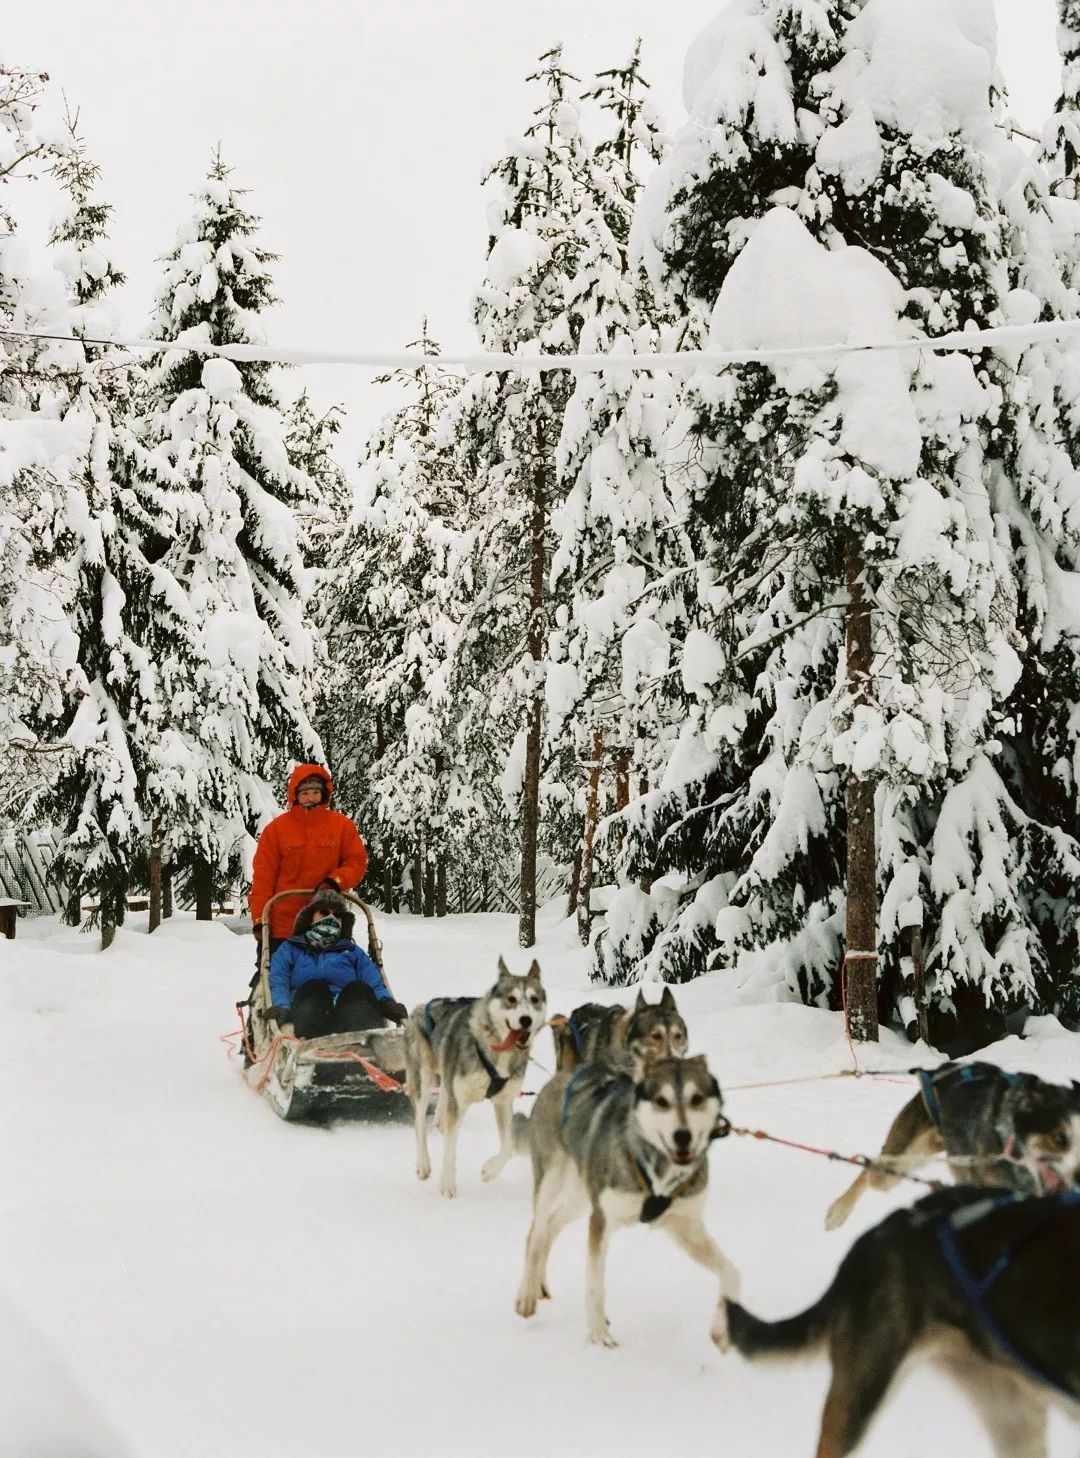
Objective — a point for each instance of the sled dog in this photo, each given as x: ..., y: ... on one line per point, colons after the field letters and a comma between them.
x: 985, y: 1284
x: 630, y: 1038
x: 478, y: 1047
x: 623, y: 1151
x: 1006, y: 1129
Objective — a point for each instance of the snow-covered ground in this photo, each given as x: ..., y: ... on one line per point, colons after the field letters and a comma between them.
x: 183, y: 1276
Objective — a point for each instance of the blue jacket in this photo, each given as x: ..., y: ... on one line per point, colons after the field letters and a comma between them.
x: 296, y: 962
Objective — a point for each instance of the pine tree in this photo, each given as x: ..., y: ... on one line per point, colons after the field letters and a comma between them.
x: 96, y: 798
x: 390, y: 726
x: 219, y: 494
x: 863, y: 609
x: 509, y: 427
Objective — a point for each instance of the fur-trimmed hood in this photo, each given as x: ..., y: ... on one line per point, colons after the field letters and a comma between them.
x: 326, y: 901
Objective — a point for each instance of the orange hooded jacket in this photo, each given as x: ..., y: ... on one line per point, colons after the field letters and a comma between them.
x: 299, y: 849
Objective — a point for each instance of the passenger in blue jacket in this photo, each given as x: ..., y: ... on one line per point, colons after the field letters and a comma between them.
x: 322, y: 982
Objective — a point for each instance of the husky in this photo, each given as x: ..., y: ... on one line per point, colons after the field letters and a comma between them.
x: 623, y: 1151
x: 985, y: 1285
x: 1003, y: 1129
x: 628, y: 1037
x: 479, y: 1048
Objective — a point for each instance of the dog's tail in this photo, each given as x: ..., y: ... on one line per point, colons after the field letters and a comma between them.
x: 519, y: 1133
x: 796, y: 1336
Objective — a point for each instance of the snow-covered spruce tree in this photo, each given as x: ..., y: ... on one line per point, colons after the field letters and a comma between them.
x: 750, y: 84
x: 233, y: 649
x: 621, y: 552
x: 38, y: 668
x: 386, y: 718
x: 96, y: 796
x: 508, y: 426
x: 1061, y: 136
x: 309, y: 440
x: 851, y: 500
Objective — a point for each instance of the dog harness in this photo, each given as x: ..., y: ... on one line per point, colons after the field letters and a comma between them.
x: 496, y: 1081
x: 977, y: 1288
x: 654, y: 1205
x: 962, y: 1073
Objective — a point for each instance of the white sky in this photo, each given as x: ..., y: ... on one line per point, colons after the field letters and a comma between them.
x: 363, y: 128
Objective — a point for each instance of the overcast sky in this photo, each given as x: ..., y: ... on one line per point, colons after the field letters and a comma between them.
x: 363, y: 128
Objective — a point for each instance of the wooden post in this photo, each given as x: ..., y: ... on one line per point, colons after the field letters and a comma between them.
x: 592, y: 808
x: 859, y: 971
x: 155, y: 875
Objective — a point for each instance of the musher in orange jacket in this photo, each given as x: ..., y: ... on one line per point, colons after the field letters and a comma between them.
x: 309, y: 846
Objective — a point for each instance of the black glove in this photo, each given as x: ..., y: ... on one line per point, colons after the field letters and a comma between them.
x: 397, y: 1012
x: 279, y: 1015
x: 328, y: 885
x: 257, y: 930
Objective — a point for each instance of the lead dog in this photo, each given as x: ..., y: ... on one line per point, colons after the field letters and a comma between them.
x: 1011, y: 1130
x: 630, y: 1038
x: 623, y: 1152
x: 984, y: 1284
x: 479, y: 1048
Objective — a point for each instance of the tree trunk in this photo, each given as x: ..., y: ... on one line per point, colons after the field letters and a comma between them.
x: 622, y: 780
x: 73, y: 913
x: 417, y: 887
x: 592, y: 814
x: 575, y: 883
x: 440, y: 884
x: 202, y: 881
x: 429, y: 883
x: 155, y: 875
x: 388, y: 886
x: 166, y: 890
x: 859, y: 971
x: 911, y: 948
x: 530, y: 799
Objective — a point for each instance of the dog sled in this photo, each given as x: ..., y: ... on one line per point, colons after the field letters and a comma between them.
x: 318, y: 1080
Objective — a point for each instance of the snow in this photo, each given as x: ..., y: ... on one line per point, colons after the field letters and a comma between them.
x: 184, y: 1274
x: 221, y: 379
x: 785, y: 290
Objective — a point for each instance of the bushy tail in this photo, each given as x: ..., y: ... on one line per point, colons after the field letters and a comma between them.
x: 796, y: 1336
x: 519, y: 1133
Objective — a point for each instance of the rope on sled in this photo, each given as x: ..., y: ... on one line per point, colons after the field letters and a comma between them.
x: 863, y: 1161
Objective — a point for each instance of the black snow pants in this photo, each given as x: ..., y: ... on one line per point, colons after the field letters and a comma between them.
x: 315, y: 1012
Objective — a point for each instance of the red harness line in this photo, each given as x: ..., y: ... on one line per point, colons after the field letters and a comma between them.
x: 862, y: 1160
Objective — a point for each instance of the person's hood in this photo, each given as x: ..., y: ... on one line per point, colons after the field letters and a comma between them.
x: 326, y: 901
x: 304, y: 772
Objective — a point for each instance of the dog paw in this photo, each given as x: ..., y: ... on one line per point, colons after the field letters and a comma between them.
x: 719, y: 1335
x: 448, y: 1191
x: 545, y: 1294
x: 525, y: 1305
x: 423, y: 1171
x: 492, y: 1168
x: 602, y: 1338
x: 835, y: 1216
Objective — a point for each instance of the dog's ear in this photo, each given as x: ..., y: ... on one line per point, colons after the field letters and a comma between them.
x: 698, y: 1061
x: 641, y: 1093
x: 533, y: 973
x: 620, y: 1027
x: 640, y: 1002
x: 714, y: 1089
x: 504, y: 970
x: 667, y: 1002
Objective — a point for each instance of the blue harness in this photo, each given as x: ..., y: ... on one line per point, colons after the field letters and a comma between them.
x: 654, y: 1205
x: 962, y: 1073
x: 496, y: 1081
x: 977, y: 1288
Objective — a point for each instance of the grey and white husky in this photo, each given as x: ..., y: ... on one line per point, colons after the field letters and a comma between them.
x: 630, y: 1038
x: 479, y: 1048
x: 623, y: 1151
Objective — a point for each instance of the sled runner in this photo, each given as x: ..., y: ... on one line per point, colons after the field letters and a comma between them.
x: 316, y: 1080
